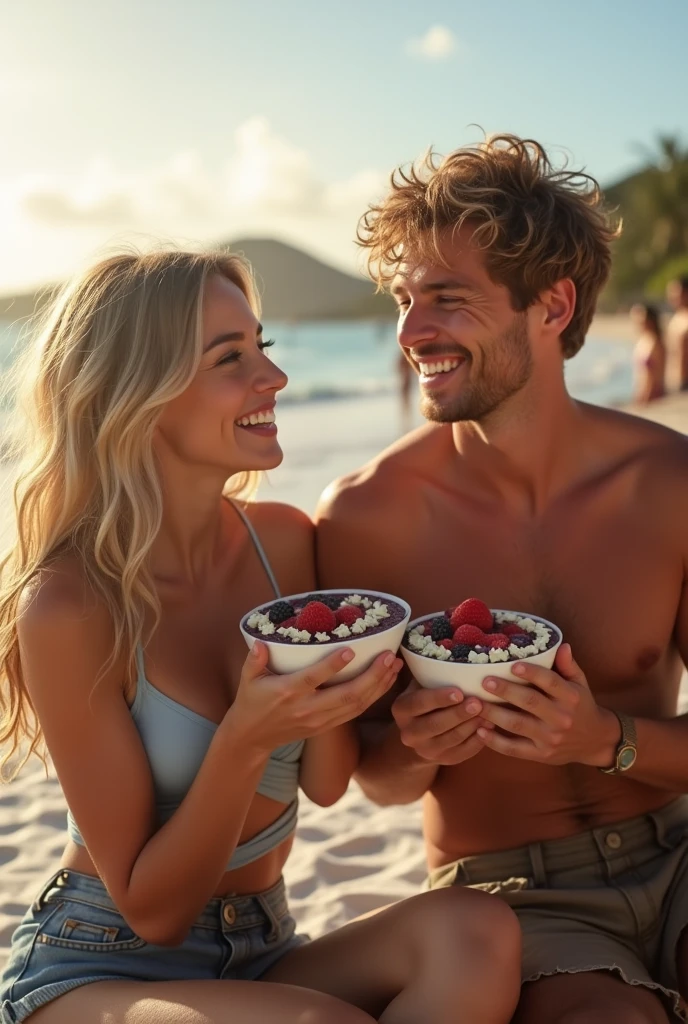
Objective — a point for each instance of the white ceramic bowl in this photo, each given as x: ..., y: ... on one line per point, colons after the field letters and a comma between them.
x: 287, y: 657
x: 431, y: 673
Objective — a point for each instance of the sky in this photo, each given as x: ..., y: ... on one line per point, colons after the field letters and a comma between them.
x: 201, y: 120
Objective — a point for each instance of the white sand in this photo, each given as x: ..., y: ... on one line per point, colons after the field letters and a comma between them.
x: 348, y: 859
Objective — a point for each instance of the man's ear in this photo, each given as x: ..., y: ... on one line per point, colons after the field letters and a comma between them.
x: 558, y: 306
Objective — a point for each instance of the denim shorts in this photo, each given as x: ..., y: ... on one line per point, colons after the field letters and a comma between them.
x: 73, y: 934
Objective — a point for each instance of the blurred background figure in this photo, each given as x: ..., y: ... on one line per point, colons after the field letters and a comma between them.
x: 406, y: 391
x: 649, y: 356
x: 677, y: 335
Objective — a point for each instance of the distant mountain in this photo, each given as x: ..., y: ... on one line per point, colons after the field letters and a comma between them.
x: 293, y: 286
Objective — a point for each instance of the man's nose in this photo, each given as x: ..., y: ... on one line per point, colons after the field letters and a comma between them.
x: 415, y: 326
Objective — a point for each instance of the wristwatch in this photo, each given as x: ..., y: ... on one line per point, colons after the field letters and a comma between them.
x: 627, y: 750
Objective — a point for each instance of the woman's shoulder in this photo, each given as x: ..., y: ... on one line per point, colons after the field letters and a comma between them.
x: 288, y: 538
x: 275, y: 519
x: 58, y: 601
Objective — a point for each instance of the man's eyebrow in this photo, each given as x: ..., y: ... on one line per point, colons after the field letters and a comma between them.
x: 222, y: 339
x: 448, y: 284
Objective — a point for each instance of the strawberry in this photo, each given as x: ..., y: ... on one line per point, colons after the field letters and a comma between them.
x: 472, y: 612
x: 497, y: 640
x: 447, y: 644
x: 348, y: 614
x: 468, y: 634
x: 316, y: 617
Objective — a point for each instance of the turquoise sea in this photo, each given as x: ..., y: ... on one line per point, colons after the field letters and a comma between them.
x: 330, y: 360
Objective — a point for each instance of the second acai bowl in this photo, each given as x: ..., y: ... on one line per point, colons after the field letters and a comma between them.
x: 301, y: 629
x: 465, y: 644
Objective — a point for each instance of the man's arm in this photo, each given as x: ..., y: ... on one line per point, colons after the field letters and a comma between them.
x: 404, y: 740
x: 388, y: 772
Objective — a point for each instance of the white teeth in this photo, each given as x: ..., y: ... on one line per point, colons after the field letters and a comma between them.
x: 256, y: 418
x: 429, y: 369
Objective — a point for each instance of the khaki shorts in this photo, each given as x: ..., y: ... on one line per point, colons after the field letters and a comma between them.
x: 614, y: 899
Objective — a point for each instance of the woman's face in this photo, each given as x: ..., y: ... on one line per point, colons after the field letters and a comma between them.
x: 225, y: 418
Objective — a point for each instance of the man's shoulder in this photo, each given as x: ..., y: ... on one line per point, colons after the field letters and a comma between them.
x: 384, y: 479
x: 660, y: 451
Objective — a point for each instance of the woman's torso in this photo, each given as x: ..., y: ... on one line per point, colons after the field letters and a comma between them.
x: 649, y: 358
x: 195, y: 659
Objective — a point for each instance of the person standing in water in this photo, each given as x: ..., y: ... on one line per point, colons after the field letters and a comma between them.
x: 649, y: 355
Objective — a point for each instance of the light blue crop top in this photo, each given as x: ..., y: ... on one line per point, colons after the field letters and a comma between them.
x: 176, y: 741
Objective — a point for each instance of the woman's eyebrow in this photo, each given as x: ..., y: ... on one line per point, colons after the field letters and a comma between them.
x: 222, y: 339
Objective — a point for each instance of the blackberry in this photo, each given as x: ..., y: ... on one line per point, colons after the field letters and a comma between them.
x: 461, y: 651
x: 280, y: 611
x: 521, y: 640
x: 329, y: 600
x: 440, y: 629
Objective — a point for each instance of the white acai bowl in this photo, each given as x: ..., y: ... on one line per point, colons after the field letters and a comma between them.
x: 284, y: 658
x: 431, y: 673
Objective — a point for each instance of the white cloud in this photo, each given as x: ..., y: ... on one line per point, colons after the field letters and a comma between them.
x: 438, y: 43
x: 267, y: 186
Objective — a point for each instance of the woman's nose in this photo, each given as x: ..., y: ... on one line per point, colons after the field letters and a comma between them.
x: 273, y: 379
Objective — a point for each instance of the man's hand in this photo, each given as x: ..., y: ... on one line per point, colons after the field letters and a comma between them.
x: 438, y: 725
x: 555, y: 720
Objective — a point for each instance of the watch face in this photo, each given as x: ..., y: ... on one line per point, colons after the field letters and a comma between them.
x: 626, y: 758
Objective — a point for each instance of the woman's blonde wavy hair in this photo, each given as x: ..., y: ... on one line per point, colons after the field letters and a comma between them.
x: 116, y: 345
x: 535, y: 224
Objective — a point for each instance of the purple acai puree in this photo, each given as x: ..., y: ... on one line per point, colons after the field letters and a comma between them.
x: 334, y: 600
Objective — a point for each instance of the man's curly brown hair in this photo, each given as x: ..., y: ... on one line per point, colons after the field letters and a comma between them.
x: 536, y: 225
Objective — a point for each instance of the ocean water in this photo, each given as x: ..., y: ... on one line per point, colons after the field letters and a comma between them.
x: 330, y: 360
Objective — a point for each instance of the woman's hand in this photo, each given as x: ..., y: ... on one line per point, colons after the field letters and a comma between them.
x: 271, y: 710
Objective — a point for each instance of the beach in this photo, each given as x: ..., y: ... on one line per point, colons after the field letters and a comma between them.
x: 347, y: 859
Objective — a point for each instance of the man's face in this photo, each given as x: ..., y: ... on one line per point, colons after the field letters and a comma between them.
x: 458, y: 330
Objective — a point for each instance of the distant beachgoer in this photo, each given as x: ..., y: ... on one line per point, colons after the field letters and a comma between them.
x: 677, y: 335
x: 181, y: 758
x: 649, y: 356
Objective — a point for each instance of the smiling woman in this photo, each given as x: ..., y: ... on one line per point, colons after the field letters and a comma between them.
x: 151, y: 399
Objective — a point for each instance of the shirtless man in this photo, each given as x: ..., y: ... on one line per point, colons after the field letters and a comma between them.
x: 677, y: 336
x: 519, y: 495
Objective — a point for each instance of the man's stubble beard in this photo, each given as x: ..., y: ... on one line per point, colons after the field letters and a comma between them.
x: 507, y: 367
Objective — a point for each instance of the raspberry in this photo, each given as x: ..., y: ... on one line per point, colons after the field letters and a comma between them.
x: 280, y: 611
x: 447, y: 644
x: 511, y: 629
x: 440, y: 629
x: 316, y: 617
x: 348, y: 615
x: 469, y: 635
x: 472, y: 612
x: 498, y: 640
x: 461, y: 651
x: 329, y: 600
x: 289, y: 623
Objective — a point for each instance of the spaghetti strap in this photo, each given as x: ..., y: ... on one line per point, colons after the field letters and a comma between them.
x: 258, y: 546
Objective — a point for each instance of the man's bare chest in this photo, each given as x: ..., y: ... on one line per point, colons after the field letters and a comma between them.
x: 611, y: 581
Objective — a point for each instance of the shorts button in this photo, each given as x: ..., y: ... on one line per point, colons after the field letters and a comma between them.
x: 613, y: 840
x: 229, y: 914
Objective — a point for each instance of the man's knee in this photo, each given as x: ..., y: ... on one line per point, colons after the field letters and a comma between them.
x: 613, y: 1011
x: 588, y: 998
